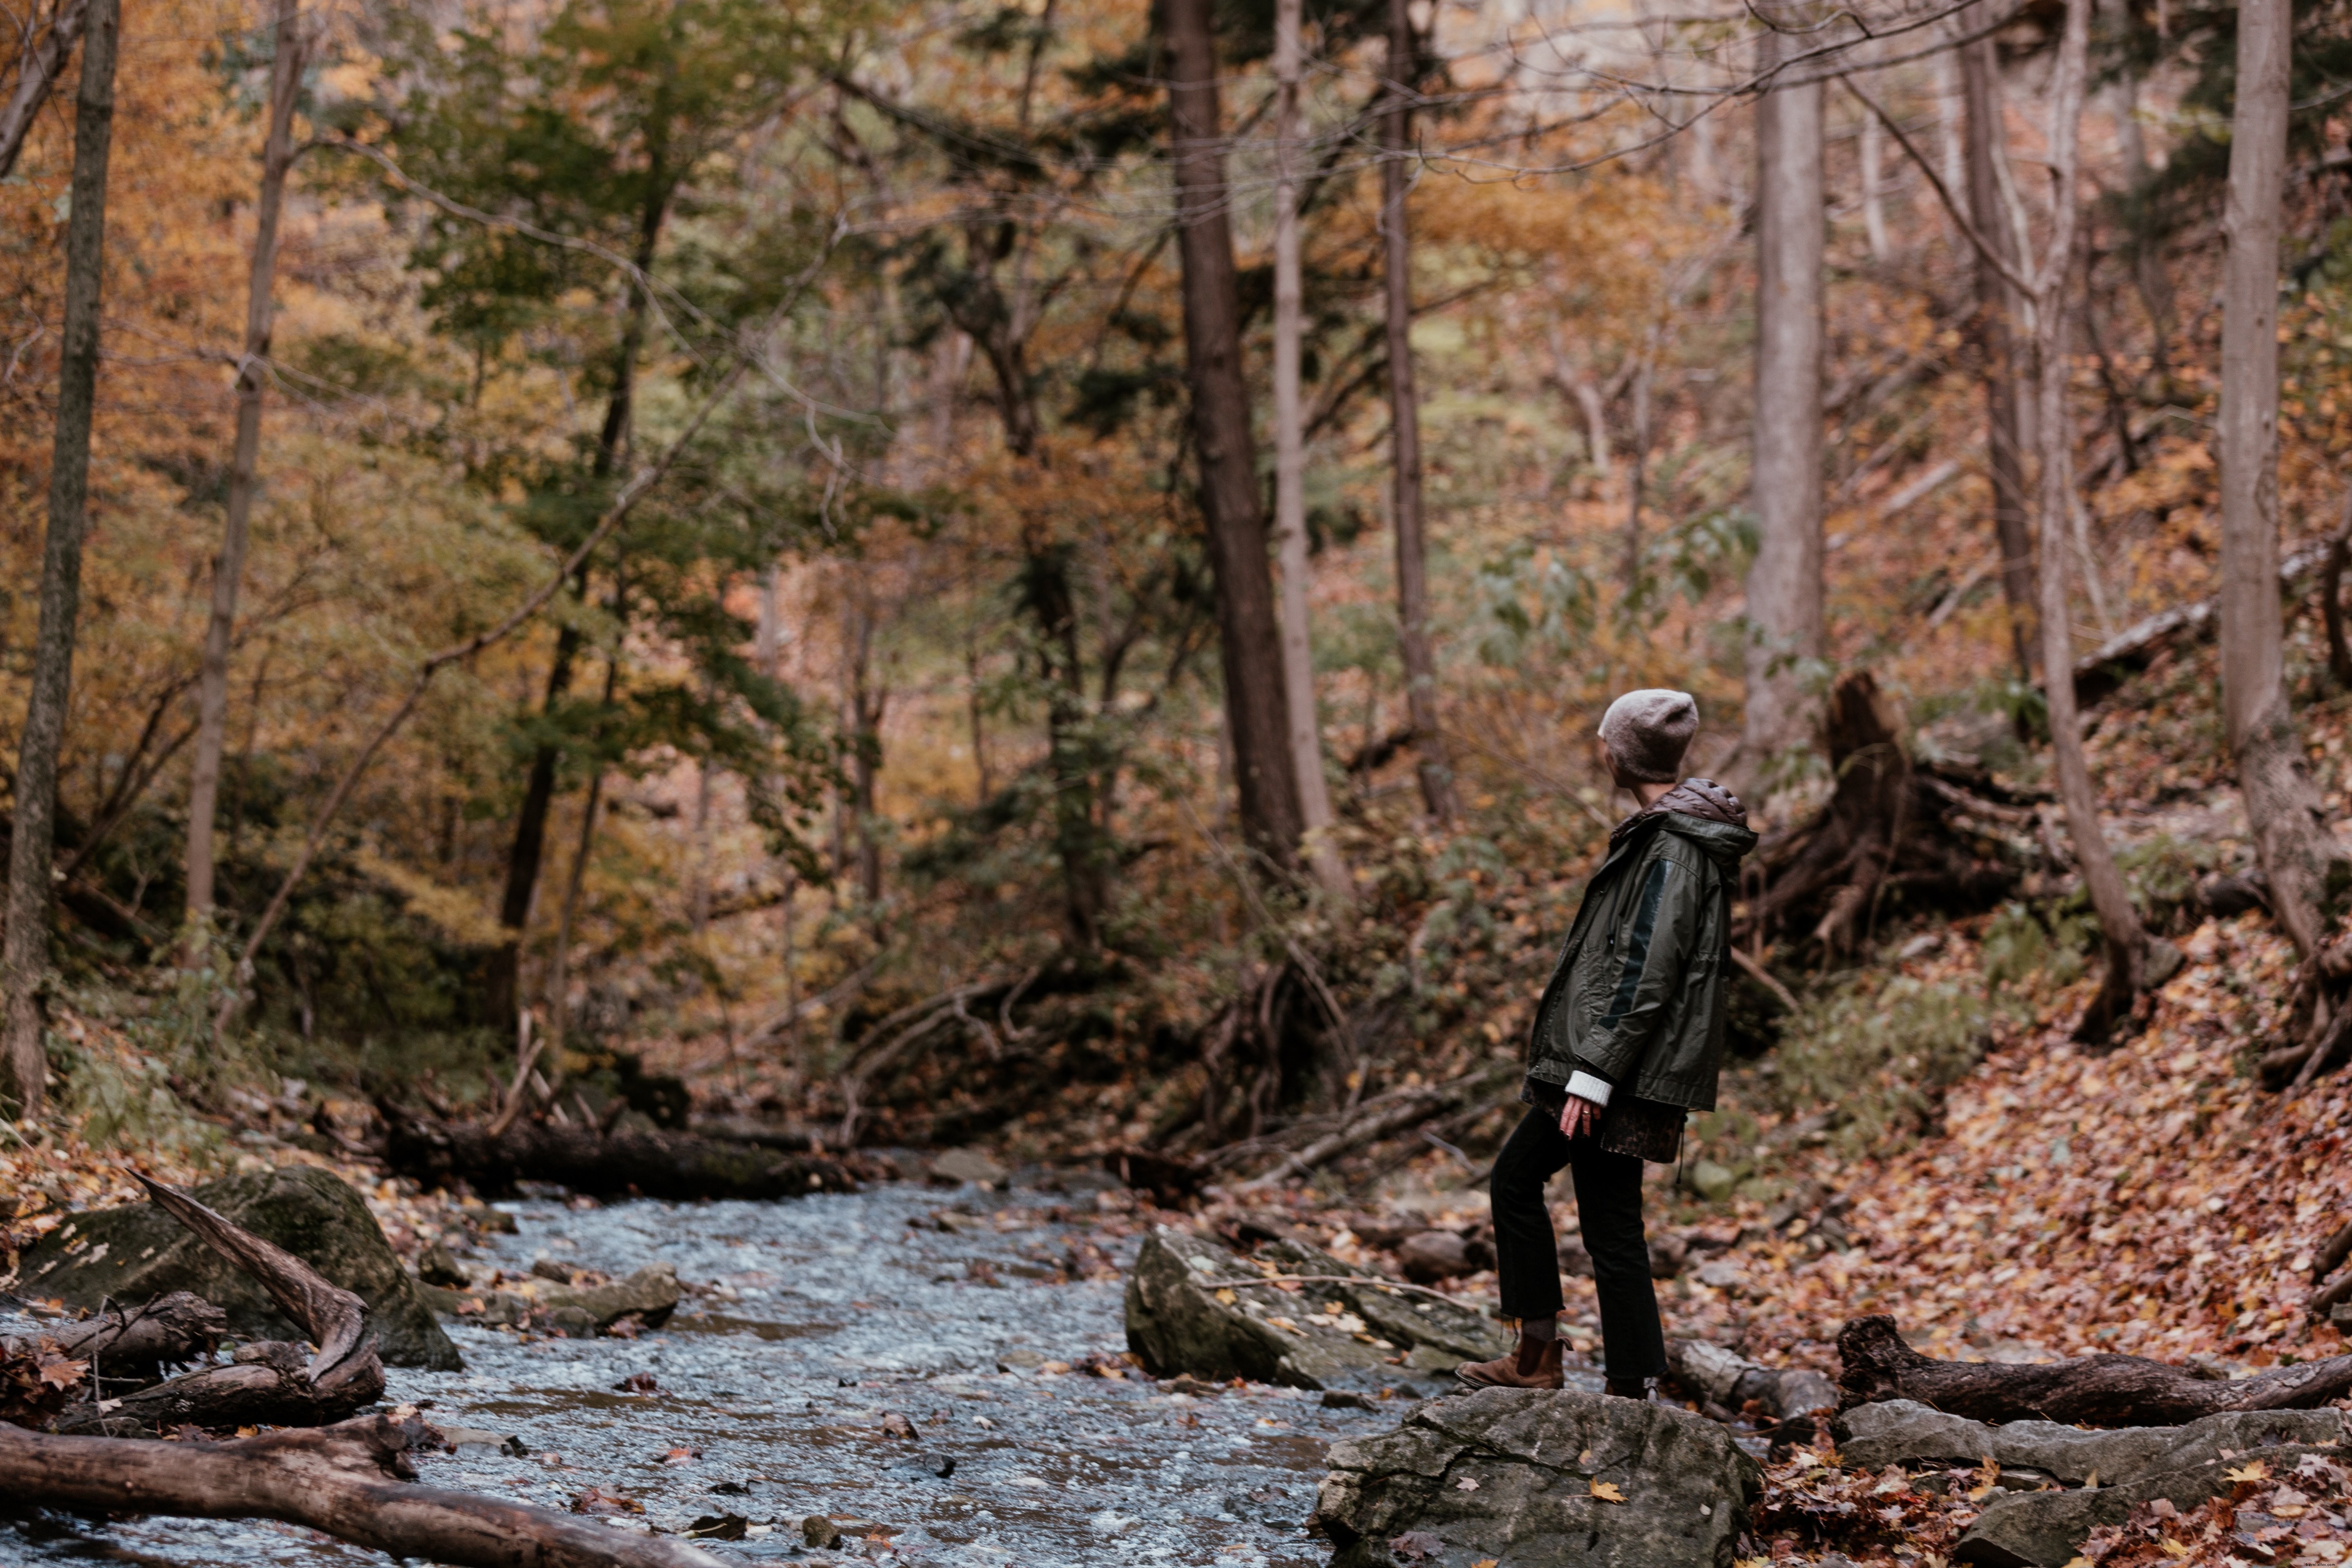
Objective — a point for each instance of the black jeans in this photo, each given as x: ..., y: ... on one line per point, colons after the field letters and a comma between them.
x: 1609, y: 1213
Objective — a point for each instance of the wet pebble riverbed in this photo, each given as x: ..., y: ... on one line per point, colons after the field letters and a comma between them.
x: 806, y: 1325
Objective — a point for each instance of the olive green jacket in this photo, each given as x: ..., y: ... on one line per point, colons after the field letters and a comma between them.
x: 1637, y: 997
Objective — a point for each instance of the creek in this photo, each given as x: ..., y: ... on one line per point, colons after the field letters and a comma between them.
x: 807, y: 1323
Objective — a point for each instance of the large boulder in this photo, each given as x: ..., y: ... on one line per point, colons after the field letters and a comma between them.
x: 135, y: 1254
x: 2062, y: 1482
x: 1535, y: 1480
x: 1184, y: 1316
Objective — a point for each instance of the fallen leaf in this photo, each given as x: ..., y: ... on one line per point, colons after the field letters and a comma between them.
x: 1466, y: 1484
x: 603, y: 1500
x: 1227, y: 1298
x: 2252, y: 1470
x: 1607, y: 1491
x: 681, y: 1455
x: 894, y: 1425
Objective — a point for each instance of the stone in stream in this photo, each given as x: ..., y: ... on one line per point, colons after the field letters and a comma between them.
x: 645, y: 1298
x: 1181, y: 1317
x: 2044, y: 1527
x: 959, y: 1165
x: 138, y: 1253
x: 1540, y: 1480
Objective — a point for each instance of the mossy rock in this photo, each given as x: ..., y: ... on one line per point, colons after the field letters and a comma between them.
x: 137, y: 1253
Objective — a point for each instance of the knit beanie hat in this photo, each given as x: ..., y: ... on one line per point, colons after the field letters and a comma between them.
x: 1648, y: 732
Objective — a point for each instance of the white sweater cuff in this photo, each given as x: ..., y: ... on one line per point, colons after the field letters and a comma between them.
x: 1584, y: 1086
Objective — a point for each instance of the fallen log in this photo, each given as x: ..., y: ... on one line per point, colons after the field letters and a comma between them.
x: 1784, y: 1395
x: 135, y: 1343
x: 352, y: 1480
x: 2090, y: 1390
x: 680, y: 1166
x: 2098, y: 674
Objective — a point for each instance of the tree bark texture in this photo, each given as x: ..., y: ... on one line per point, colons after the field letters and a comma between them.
x: 1784, y: 583
x: 24, y: 957
x: 2091, y: 1391
x: 36, y: 71
x: 1290, y: 464
x: 1250, y: 641
x: 1435, y: 768
x: 2282, y: 805
x: 654, y: 1164
x: 228, y: 567
x: 352, y: 1480
x: 1996, y: 338
x: 2132, y: 963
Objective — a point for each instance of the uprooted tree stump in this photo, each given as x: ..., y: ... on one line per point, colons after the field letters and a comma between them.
x: 2092, y: 1391
x: 1896, y: 833
x: 680, y: 1166
x: 352, y: 1480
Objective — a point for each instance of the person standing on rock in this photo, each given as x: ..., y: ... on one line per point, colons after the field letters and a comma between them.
x: 1627, y: 1040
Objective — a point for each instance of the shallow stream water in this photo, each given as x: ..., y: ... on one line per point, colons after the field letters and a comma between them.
x: 807, y: 1323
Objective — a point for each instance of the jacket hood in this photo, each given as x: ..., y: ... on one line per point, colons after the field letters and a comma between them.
x: 1703, y: 811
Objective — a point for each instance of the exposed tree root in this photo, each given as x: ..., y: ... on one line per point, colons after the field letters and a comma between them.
x: 1896, y: 836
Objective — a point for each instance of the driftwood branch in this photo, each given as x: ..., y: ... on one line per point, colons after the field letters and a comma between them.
x: 2091, y: 1391
x: 352, y: 1480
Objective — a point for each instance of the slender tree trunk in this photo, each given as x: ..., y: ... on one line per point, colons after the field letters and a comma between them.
x: 2282, y: 805
x: 252, y: 380
x: 1637, y: 471
x: 1784, y: 584
x: 1874, y: 179
x: 866, y: 703
x: 1249, y: 638
x: 2134, y: 962
x: 1436, y: 767
x: 25, y: 956
x: 501, y: 989
x: 559, y: 980
x: 36, y: 71
x: 1997, y: 344
x: 1290, y: 463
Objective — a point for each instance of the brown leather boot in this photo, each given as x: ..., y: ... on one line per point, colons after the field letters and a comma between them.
x: 1534, y: 1364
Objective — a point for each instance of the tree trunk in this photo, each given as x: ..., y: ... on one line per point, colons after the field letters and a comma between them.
x: 501, y: 989
x: 1248, y: 638
x: 1997, y: 345
x: 1290, y: 465
x: 2134, y: 962
x: 1436, y: 768
x: 1784, y: 584
x: 351, y: 1480
x: 2090, y: 1390
x: 1874, y: 179
x: 24, y: 957
x: 2282, y: 805
x: 228, y: 567
x: 36, y: 71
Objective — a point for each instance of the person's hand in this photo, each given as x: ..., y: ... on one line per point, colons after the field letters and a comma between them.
x: 1578, y: 1116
